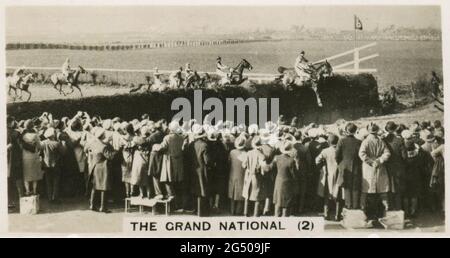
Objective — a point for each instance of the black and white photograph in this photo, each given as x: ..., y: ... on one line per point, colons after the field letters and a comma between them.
x: 329, y: 115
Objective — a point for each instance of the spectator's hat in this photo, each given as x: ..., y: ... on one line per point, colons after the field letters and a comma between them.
x: 439, y: 133
x: 256, y: 142
x: 198, y: 131
x: 240, y: 143
x: 174, y: 127
x: 406, y: 134
x: 50, y: 132
x: 289, y: 137
x: 106, y: 124
x: 390, y: 126
x: 138, y: 140
x: 332, y: 139
x: 265, y: 136
x: 430, y: 138
x: 409, y: 145
x: 213, y: 135
x: 287, y: 147
x: 253, y: 129
x: 99, y: 132
x: 373, y: 128
x: 116, y: 126
x: 28, y: 124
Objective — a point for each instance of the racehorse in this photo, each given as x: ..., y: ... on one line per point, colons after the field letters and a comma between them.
x: 236, y: 77
x: 21, y: 84
x: 59, y: 79
x: 316, y: 72
x: 196, y: 81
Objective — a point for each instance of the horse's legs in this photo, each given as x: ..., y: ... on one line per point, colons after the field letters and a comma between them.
x: 29, y: 95
x: 319, y: 101
x: 79, y: 89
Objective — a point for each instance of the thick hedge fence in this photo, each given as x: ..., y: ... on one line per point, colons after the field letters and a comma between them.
x: 343, y: 96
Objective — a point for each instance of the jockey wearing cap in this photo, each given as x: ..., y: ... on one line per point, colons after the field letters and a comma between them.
x: 18, y: 75
x: 221, y: 69
x: 301, y: 65
x: 175, y: 78
x: 66, y: 71
x: 188, y: 72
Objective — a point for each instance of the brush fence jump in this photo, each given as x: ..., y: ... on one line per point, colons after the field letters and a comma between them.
x: 259, y: 77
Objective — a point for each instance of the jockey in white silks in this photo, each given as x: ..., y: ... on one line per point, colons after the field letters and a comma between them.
x: 157, y: 83
x: 18, y: 75
x: 301, y: 67
x: 65, y: 69
x: 175, y: 78
x: 221, y: 69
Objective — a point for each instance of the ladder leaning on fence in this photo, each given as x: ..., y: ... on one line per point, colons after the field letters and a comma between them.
x: 260, y: 77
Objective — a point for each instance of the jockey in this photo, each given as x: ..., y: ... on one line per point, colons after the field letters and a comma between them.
x: 221, y: 68
x: 188, y: 72
x: 157, y: 79
x: 301, y: 65
x: 18, y: 74
x: 66, y: 71
x: 175, y: 78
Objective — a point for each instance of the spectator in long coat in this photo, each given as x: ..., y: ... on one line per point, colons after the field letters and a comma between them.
x: 375, y: 180
x: 14, y: 158
x: 200, y: 161
x: 396, y: 164
x: 303, y: 157
x: 438, y: 172
x: 155, y: 162
x: 139, y: 168
x: 78, y: 139
x: 101, y: 153
x: 127, y: 152
x: 237, y: 174
x: 51, y: 152
x: 254, y: 190
x: 219, y: 169
x: 350, y: 166
x: 269, y: 176
x: 330, y: 182
x: 31, y: 162
x: 172, y: 170
x: 315, y: 146
x: 428, y: 198
x: 415, y: 164
x: 285, y: 181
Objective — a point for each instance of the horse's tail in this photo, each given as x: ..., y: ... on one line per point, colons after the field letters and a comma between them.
x: 281, y: 69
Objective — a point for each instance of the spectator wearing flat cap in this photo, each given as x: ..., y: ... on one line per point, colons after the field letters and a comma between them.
x: 350, y: 166
x: 375, y: 180
x: 395, y: 166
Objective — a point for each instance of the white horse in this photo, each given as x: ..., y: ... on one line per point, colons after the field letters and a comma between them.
x: 21, y: 83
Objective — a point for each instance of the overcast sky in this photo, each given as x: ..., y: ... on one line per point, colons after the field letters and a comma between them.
x: 29, y: 21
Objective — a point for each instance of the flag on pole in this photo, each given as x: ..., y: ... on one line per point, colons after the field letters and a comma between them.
x: 358, y: 23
